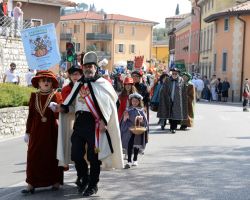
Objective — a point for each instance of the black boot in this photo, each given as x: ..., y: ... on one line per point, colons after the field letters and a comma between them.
x: 82, y: 185
x: 28, y: 191
x: 92, y: 189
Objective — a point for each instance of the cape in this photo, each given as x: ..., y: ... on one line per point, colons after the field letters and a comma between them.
x: 110, y: 144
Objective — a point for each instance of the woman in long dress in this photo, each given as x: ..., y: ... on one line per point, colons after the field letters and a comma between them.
x: 41, y: 135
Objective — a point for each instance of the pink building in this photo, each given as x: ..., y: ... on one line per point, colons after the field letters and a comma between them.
x: 194, y: 48
x: 182, y: 42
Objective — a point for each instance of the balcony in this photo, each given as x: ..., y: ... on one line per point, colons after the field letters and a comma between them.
x: 99, y: 36
x: 66, y: 36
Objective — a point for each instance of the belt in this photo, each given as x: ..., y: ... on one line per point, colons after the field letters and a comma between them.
x: 80, y: 112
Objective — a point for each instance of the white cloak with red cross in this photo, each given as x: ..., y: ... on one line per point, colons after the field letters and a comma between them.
x: 106, y: 98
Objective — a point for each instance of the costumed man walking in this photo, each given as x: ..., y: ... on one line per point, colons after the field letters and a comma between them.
x: 64, y: 143
x: 173, y: 100
x: 190, y: 100
x: 96, y: 126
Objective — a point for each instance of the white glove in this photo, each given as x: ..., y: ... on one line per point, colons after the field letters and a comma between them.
x: 52, y: 106
x: 26, y: 138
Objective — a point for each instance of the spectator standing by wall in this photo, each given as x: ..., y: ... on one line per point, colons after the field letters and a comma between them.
x: 11, y: 76
x: 18, y: 18
x: 218, y: 89
x: 224, y: 90
x: 206, y: 94
x: 28, y: 76
x: 246, y: 94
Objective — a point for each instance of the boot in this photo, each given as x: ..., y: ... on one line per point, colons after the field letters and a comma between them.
x: 92, y: 189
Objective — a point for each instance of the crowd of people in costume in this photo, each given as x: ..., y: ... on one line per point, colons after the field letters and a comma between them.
x: 93, y: 126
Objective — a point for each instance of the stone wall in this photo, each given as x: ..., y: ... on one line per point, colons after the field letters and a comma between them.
x: 11, y: 50
x: 13, y: 121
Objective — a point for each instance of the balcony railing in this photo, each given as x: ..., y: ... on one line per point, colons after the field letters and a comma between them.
x: 99, y: 36
x: 66, y: 36
x: 10, y: 27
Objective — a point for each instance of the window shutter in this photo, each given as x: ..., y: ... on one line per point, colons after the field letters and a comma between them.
x: 116, y: 48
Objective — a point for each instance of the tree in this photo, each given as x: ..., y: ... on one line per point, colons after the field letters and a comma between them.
x: 160, y: 34
x: 177, y: 10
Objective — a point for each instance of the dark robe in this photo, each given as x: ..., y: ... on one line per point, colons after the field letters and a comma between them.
x: 175, y: 109
x: 191, y: 101
x: 42, y: 165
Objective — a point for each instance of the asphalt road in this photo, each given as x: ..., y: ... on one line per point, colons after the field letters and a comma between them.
x: 211, y: 161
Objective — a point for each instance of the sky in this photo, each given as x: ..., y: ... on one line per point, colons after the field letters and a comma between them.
x: 153, y: 10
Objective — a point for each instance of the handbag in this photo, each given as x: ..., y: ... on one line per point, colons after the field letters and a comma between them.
x: 245, y: 94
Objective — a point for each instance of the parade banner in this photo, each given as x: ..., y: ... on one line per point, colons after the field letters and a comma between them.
x: 41, y: 47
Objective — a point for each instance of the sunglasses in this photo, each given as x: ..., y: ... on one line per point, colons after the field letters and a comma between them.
x: 133, y: 76
x: 174, y: 73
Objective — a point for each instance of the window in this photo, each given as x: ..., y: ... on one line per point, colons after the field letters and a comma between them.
x: 121, y: 29
x: 94, y: 28
x: 77, y: 47
x: 224, y: 61
x: 76, y: 28
x: 226, y: 24
x: 132, y: 48
x: 208, y: 38
x: 215, y: 61
x: 216, y: 27
x: 120, y: 48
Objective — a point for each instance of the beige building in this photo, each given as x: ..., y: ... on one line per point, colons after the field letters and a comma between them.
x: 209, y: 7
x: 231, y: 46
x: 115, y: 37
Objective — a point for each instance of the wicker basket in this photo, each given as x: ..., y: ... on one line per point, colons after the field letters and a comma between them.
x: 137, y: 129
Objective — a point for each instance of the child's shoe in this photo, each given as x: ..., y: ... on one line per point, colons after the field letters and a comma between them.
x: 128, y: 165
x: 135, y: 163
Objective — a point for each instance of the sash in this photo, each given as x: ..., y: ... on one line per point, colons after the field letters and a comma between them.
x: 91, y: 106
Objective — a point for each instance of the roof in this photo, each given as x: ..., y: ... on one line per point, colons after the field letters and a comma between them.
x: 60, y: 3
x: 183, y: 16
x: 90, y: 15
x: 160, y: 43
x: 241, y: 9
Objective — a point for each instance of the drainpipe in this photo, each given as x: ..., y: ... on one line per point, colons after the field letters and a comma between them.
x: 243, y: 55
x: 199, y: 46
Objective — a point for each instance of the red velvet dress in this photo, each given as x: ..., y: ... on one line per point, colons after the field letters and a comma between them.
x: 42, y: 165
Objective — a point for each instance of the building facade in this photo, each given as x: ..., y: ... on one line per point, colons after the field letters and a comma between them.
x: 182, y: 42
x: 207, y: 52
x: 231, y: 49
x: 160, y: 52
x: 115, y: 37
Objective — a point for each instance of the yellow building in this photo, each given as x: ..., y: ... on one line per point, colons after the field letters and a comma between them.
x: 231, y: 49
x: 160, y: 52
x: 115, y: 37
x: 209, y: 7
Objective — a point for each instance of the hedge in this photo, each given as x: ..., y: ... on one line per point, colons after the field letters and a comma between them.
x: 14, y: 95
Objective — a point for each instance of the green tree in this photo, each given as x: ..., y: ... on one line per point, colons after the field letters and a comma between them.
x: 160, y: 34
x: 177, y: 10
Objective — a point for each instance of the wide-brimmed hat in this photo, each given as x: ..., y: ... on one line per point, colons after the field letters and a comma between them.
x: 128, y: 80
x: 90, y: 58
x: 189, y: 76
x: 73, y: 69
x: 135, y: 95
x: 44, y: 74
